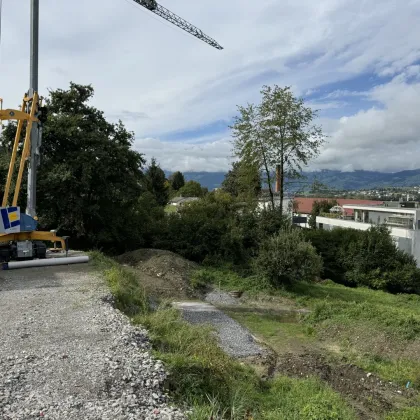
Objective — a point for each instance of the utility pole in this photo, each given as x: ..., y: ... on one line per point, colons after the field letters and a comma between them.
x: 33, y: 87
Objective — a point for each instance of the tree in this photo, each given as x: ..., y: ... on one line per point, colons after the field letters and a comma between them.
x: 277, y: 134
x: 156, y: 183
x: 192, y: 189
x: 4, y: 157
x: 243, y: 180
x: 177, y: 180
x: 318, y: 207
x: 90, y: 179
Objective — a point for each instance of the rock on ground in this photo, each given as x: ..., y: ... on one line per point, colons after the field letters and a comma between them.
x: 67, y: 353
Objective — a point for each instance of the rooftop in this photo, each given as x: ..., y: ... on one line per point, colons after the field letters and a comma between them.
x: 305, y: 204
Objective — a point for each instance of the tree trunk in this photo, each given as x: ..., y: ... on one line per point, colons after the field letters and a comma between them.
x: 281, y: 187
x: 270, y: 189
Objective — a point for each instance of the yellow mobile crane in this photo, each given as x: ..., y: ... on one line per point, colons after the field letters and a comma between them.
x: 19, y: 237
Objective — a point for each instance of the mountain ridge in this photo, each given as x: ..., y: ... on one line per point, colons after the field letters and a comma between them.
x: 355, y: 180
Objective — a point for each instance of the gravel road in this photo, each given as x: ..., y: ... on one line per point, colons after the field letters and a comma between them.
x: 66, y: 353
x: 233, y: 338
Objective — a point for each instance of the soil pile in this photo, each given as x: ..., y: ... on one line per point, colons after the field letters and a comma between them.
x: 163, y: 273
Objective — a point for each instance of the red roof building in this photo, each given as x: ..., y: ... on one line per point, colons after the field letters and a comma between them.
x: 304, y: 204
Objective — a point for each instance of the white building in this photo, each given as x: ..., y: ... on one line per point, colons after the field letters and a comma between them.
x: 404, y: 223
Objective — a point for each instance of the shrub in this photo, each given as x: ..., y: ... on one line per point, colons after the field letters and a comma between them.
x: 287, y: 257
x: 218, y: 229
x: 374, y: 260
x: 332, y: 245
x: 365, y: 258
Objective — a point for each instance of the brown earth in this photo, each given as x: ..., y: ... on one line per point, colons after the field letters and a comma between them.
x: 370, y: 396
x: 164, y: 274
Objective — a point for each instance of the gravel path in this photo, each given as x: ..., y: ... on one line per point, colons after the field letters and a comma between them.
x: 220, y: 298
x: 66, y: 353
x: 234, y: 339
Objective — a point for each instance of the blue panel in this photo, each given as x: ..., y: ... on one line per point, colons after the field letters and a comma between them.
x: 5, y: 217
x: 28, y: 224
x: 15, y: 223
x: 12, y: 209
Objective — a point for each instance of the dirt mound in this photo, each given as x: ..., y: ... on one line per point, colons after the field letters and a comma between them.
x: 163, y: 273
x: 369, y: 395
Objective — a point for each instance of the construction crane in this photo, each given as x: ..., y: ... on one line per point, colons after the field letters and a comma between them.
x: 19, y: 237
x: 171, y: 17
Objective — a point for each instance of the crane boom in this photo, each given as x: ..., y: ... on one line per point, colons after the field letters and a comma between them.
x: 171, y: 17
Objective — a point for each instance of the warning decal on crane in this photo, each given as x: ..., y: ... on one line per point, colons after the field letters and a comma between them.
x: 9, y: 220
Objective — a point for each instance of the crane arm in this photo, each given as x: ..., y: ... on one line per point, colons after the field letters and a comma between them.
x: 171, y: 17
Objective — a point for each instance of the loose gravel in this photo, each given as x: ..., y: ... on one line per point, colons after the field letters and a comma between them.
x: 67, y: 353
x: 234, y: 339
x: 220, y: 298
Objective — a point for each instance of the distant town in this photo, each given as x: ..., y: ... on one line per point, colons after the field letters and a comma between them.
x: 380, y: 194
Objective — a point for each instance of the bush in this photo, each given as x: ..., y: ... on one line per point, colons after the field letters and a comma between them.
x: 218, y: 229
x: 332, y: 245
x: 374, y: 260
x: 365, y: 258
x: 287, y: 257
x: 205, y: 229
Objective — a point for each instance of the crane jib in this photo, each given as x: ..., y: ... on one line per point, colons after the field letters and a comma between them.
x: 171, y: 17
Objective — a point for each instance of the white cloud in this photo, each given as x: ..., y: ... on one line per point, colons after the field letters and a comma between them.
x: 211, y: 156
x: 158, y: 79
x: 384, y: 137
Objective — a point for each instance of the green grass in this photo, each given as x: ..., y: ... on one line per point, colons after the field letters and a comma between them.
x: 229, y: 280
x: 217, y: 386
x: 170, y: 208
x: 339, y: 315
x: 204, y: 378
x: 282, y: 332
x: 129, y: 295
x: 410, y: 413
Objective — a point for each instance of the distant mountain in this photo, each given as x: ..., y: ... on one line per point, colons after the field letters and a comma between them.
x: 211, y: 180
x: 356, y: 180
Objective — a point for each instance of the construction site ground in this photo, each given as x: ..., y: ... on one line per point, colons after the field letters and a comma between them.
x: 67, y: 353
x: 289, y: 348
x: 61, y: 341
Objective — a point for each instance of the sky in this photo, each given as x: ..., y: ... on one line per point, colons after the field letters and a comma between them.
x: 357, y: 62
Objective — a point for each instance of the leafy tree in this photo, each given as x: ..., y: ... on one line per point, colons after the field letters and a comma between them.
x: 365, y: 258
x: 90, y: 178
x: 277, y: 133
x: 287, y: 257
x: 243, y: 180
x: 204, y: 229
x: 375, y: 261
x: 192, y: 189
x: 318, y: 207
x: 333, y: 246
x: 177, y: 180
x: 156, y: 183
x: 4, y: 157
